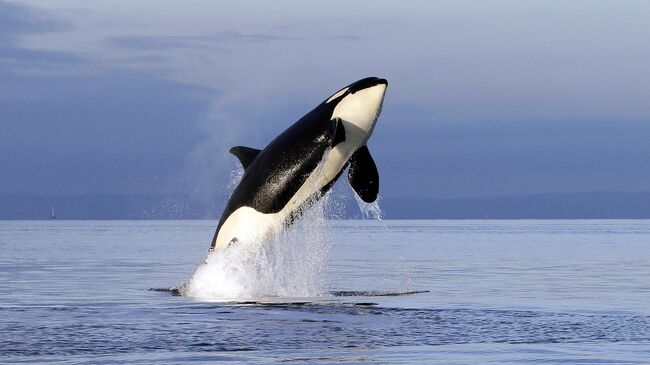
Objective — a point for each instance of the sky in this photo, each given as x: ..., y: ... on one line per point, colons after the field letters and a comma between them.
x: 485, y: 98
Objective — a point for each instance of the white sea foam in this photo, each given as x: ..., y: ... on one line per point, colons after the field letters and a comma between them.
x: 289, y: 265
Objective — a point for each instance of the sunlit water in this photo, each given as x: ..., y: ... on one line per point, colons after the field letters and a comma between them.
x: 507, y: 292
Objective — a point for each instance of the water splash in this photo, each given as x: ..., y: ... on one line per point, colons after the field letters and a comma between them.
x: 369, y: 210
x: 291, y: 265
x: 234, y: 179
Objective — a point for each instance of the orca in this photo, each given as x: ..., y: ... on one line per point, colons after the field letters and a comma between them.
x: 301, y: 164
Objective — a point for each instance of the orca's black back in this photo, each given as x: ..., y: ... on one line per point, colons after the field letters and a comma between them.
x: 281, y: 168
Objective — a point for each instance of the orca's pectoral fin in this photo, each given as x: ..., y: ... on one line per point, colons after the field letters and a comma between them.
x: 363, y: 175
x: 338, y: 132
x: 246, y: 155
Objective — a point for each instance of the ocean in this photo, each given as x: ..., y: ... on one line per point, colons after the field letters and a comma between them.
x: 367, y: 291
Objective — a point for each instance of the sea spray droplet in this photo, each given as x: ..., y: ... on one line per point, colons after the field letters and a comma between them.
x: 291, y: 265
x: 369, y: 210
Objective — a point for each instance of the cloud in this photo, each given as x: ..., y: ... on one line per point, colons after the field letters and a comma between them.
x: 218, y: 41
x: 72, y: 125
x: 483, y: 100
x: 17, y: 20
x: 493, y: 157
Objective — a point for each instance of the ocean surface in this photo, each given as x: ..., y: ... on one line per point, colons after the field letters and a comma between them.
x: 487, y: 292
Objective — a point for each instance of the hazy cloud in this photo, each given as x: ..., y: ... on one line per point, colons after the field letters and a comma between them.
x: 17, y: 19
x: 215, y: 40
x: 484, y: 99
x: 69, y: 125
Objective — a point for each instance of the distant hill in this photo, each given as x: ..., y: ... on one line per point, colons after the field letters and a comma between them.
x: 102, y: 206
x: 586, y: 205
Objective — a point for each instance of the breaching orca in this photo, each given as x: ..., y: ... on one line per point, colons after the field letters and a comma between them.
x: 302, y: 163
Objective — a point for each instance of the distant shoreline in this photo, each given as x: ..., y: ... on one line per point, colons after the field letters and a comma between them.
x: 581, y: 205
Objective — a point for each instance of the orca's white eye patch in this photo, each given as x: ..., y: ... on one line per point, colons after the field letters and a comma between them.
x: 341, y: 92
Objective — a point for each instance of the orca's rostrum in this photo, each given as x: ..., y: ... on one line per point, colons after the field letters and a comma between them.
x: 302, y: 163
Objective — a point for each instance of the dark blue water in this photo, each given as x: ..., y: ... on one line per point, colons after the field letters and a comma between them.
x: 504, y: 292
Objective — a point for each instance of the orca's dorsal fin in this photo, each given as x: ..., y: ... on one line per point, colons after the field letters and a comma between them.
x: 363, y: 175
x: 246, y: 155
x: 338, y: 132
